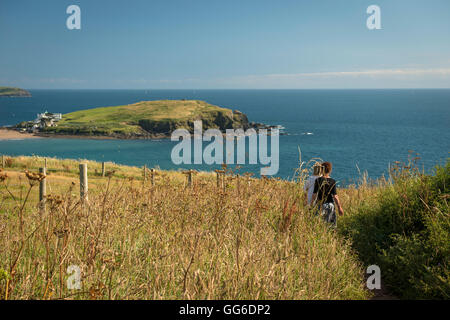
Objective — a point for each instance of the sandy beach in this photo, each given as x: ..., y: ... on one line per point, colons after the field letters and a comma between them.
x: 6, y: 134
x: 10, y: 134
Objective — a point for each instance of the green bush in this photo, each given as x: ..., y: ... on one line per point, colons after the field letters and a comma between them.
x: 404, y: 228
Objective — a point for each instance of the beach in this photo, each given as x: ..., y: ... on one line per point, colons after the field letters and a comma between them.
x: 7, y: 134
x: 11, y: 134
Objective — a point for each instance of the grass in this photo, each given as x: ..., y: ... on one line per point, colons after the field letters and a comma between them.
x: 246, y: 239
x: 250, y: 239
x: 145, y: 117
x: 404, y: 227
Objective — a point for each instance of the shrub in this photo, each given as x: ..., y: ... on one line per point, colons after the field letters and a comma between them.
x: 405, y: 229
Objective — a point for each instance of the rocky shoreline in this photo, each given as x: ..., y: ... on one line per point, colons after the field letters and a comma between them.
x: 11, y: 133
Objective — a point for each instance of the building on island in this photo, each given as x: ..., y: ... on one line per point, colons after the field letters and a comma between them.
x: 44, y: 120
x: 49, y: 115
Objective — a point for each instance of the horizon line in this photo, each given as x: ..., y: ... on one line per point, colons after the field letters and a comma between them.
x: 280, y: 89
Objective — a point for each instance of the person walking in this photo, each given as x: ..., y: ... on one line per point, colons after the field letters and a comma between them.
x: 309, y: 184
x: 326, y: 195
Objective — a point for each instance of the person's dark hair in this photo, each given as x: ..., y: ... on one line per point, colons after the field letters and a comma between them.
x: 327, y: 166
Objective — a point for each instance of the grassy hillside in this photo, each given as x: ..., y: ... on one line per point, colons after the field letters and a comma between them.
x: 13, y: 92
x: 147, y: 118
x: 404, y: 228
x: 248, y: 240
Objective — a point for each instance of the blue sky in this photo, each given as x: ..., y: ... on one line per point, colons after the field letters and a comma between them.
x: 225, y: 44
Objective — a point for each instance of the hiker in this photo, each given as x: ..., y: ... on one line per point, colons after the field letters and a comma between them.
x: 309, y: 184
x: 326, y: 195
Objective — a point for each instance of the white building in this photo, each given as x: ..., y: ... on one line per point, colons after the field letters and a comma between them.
x: 49, y: 115
x: 46, y: 119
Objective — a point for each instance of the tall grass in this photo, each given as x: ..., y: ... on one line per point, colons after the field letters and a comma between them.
x: 250, y: 240
x: 403, y: 226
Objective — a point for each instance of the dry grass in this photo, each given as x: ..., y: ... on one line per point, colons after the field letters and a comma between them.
x: 168, y: 241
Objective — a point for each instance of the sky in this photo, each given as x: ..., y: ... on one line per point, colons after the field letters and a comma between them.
x: 227, y: 44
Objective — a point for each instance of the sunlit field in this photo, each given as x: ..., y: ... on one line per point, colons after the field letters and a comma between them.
x: 236, y: 238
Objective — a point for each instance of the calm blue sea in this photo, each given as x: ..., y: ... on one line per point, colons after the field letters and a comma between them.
x: 351, y: 128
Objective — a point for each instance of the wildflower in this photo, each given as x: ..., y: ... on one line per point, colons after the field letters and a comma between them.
x: 54, y: 200
x: 34, y: 177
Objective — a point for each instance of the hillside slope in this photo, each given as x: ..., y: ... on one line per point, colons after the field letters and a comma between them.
x: 404, y: 228
x: 252, y: 239
x: 148, y: 118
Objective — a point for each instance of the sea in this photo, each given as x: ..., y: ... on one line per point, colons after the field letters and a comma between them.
x: 359, y: 131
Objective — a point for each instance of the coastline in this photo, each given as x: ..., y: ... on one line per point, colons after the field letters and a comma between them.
x: 8, y: 134
x: 15, y: 95
x: 11, y: 134
x: 98, y: 137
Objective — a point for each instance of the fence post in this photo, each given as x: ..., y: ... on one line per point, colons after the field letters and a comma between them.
x: 188, y: 174
x: 189, y: 178
x: 103, y: 169
x: 45, y: 163
x: 218, y: 179
x: 152, y: 176
x: 83, y: 182
x: 43, y: 188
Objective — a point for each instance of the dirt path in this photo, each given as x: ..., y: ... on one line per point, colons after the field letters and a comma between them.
x: 383, y: 293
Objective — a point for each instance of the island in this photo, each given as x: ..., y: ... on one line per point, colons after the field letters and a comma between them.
x: 146, y: 120
x: 13, y: 92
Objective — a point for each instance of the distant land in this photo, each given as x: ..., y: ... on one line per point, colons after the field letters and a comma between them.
x: 146, y: 119
x: 13, y: 92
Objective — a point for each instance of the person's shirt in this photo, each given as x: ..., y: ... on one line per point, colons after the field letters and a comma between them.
x: 309, y: 187
x: 325, y: 189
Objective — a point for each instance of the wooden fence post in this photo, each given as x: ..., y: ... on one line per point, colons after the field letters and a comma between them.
x: 103, y: 169
x: 189, y: 178
x: 45, y: 163
x: 152, y: 177
x: 43, y: 188
x: 83, y: 182
x: 220, y: 178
